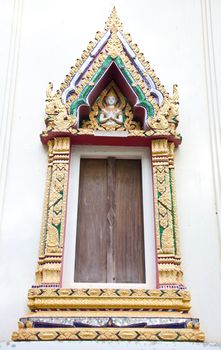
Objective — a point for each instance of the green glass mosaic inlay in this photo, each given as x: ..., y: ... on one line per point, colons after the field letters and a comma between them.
x: 118, y: 61
x: 172, y: 212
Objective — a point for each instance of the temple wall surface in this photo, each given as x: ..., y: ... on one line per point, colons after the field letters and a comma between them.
x: 109, y: 345
x: 40, y: 40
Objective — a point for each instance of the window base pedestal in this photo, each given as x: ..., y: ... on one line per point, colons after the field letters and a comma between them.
x: 129, y: 334
x: 108, y: 314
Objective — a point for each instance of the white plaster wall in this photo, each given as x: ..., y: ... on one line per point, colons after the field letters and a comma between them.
x: 110, y: 345
x: 40, y: 40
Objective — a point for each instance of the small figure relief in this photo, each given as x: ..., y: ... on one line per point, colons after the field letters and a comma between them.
x: 110, y: 112
x: 57, y: 118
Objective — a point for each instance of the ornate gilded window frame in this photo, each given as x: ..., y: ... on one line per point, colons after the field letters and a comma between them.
x: 170, y: 301
x: 49, y: 271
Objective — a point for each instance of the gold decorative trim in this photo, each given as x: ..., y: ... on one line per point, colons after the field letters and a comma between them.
x: 111, y: 49
x: 157, y: 334
x: 79, y: 61
x: 39, y: 298
x: 139, y: 80
x: 57, y: 117
x: 52, y: 235
x: 171, y: 157
x: 96, y: 64
x: 146, y: 64
x: 47, y: 299
x: 165, y: 120
x: 109, y: 313
x: 168, y: 253
x: 122, y: 108
x: 47, y: 191
x: 113, y: 24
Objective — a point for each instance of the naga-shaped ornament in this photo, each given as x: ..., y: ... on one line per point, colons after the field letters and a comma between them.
x: 166, y: 118
x: 57, y: 117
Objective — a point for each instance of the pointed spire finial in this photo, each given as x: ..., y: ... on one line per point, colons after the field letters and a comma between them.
x: 113, y: 22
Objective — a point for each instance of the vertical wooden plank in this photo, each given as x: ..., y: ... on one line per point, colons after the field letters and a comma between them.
x: 91, y: 245
x: 110, y: 242
x: 111, y: 179
x: 128, y: 227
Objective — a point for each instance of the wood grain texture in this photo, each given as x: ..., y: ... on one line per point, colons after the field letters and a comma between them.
x: 110, y: 242
x: 128, y: 229
x: 91, y: 245
x: 111, y: 214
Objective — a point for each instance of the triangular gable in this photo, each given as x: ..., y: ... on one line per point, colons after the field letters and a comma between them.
x: 114, y: 47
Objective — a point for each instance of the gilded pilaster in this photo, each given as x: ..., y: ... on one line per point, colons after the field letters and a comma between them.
x: 173, y: 197
x: 53, y: 225
x: 166, y: 228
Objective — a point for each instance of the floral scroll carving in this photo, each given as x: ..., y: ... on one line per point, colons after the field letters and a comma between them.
x: 52, y: 234
x: 167, y: 236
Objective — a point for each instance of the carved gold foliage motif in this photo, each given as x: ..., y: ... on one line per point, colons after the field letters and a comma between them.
x: 57, y: 118
x: 52, y: 236
x: 113, y: 25
x: 173, y: 196
x: 111, y: 111
x: 166, y: 119
x: 114, y: 47
x: 170, y: 272
x: 113, y: 22
x: 47, y: 192
x: 162, y: 196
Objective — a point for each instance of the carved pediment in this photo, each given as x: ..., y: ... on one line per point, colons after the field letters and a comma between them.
x: 112, y: 57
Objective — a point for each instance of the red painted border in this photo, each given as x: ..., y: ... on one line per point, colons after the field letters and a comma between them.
x: 137, y: 141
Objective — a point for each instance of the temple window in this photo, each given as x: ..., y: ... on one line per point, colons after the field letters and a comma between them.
x: 110, y: 226
x: 109, y: 265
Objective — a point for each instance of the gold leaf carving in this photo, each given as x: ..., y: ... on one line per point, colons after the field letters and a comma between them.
x: 49, y: 265
x: 57, y: 118
x: 104, y: 116
x: 165, y: 120
x: 113, y: 23
x: 158, y: 334
x: 170, y: 272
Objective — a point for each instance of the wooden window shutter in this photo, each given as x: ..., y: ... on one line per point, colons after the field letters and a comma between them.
x: 110, y: 242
